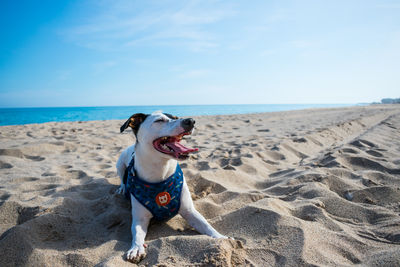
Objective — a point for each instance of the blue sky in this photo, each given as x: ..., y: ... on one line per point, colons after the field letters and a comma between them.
x: 94, y: 53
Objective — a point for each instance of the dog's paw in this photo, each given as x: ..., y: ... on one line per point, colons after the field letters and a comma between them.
x: 121, y: 190
x: 136, y: 253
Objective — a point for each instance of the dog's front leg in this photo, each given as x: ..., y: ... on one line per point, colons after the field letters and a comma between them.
x: 140, y: 221
x: 121, y: 167
x: 194, y: 218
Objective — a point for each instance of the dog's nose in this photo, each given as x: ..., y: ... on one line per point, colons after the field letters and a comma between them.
x: 188, y: 124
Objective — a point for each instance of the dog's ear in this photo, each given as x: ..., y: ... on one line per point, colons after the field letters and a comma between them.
x: 134, y: 122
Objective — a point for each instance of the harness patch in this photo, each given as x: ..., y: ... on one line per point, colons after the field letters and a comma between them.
x: 162, y: 199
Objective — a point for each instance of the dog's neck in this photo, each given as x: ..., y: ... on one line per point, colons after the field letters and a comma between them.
x: 152, y: 168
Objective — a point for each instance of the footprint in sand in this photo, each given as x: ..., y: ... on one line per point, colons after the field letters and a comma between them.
x: 94, y: 190
x: 203, y: 165
x: 43, y: 187
x: 202, y: 187
x: 299, y: 140
x: 21, y: 180
x: 77, y: 174
x: 35, y: 158
x: 4, y: 196
x: 48, y: 174
x: 374, y: 153
x: 228, y: 163
x: 349, y: 150
x: 18, y: 154
x: 65, y: 167
x: 104, y: 166
x: 236, y: 161
x: 107, y: 174
x: 281, y: 172
x: 58, y: 143
x: 29, y: 134
x: 5, y: 165
x: 248, y: 169
x: 11, y: 153
x: 361, y: 143
x: 275, y: 155
x: 13, y: 213
x: 223, y: 162
x: 229, y: 167
x: 40, y: 189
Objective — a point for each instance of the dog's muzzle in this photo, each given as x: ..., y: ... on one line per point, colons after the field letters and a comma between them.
x: 171, y: 145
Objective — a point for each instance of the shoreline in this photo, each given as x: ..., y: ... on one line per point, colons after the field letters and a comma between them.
x: 314, y: 186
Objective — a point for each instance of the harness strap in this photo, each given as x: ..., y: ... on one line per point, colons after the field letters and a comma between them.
x: 125, y: 179
x: 125, y: 176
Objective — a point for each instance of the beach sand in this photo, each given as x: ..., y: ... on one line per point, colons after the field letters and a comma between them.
x: 317, y: 187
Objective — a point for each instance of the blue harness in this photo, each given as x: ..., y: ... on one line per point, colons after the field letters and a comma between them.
x: 161, y: 199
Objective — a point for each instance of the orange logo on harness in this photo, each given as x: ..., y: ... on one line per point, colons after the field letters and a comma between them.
x: 163, y: 198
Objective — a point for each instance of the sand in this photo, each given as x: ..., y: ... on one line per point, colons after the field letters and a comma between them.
x: 317, y: 187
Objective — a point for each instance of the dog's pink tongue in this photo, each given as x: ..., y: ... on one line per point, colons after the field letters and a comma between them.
x: 178, y: 148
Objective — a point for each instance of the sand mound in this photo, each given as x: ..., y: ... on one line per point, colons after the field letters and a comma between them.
x: 318, y: 187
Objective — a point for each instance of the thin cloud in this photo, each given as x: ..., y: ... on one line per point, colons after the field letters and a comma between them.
x: 194, y: 74
x: 280, y: 15
x: 389, y: 6
x: 63, y: 75
x: 302, y: 44
x: 101, y: 67
x: 115, y: 28
x: 268, y: 52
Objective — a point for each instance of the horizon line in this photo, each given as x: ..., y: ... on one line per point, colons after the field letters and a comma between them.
x: 169, y: 105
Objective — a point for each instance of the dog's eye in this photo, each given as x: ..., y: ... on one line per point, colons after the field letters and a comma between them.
x: 160, y: 120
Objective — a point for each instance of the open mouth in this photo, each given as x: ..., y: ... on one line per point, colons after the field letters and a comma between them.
x: 171, y: 145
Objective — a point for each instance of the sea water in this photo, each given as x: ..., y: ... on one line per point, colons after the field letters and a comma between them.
x: 15, y: 116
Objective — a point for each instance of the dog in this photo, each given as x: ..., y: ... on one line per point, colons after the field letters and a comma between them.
x: 152, y: 179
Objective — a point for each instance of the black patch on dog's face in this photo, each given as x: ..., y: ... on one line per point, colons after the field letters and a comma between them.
x: 134, y: 122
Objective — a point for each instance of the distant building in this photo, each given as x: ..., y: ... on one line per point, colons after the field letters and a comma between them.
x: 390, y: 101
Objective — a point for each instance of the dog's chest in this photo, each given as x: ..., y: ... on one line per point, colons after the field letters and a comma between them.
x: 162, y: 199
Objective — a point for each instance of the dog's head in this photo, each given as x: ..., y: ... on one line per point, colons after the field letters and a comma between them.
x: 161, y: 133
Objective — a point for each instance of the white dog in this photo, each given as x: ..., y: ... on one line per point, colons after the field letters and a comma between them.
x: 152, y: 179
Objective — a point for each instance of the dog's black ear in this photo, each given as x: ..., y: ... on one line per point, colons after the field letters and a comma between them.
x: 134, y: 122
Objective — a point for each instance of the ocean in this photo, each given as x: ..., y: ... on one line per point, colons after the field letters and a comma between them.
x: 16, y: 116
